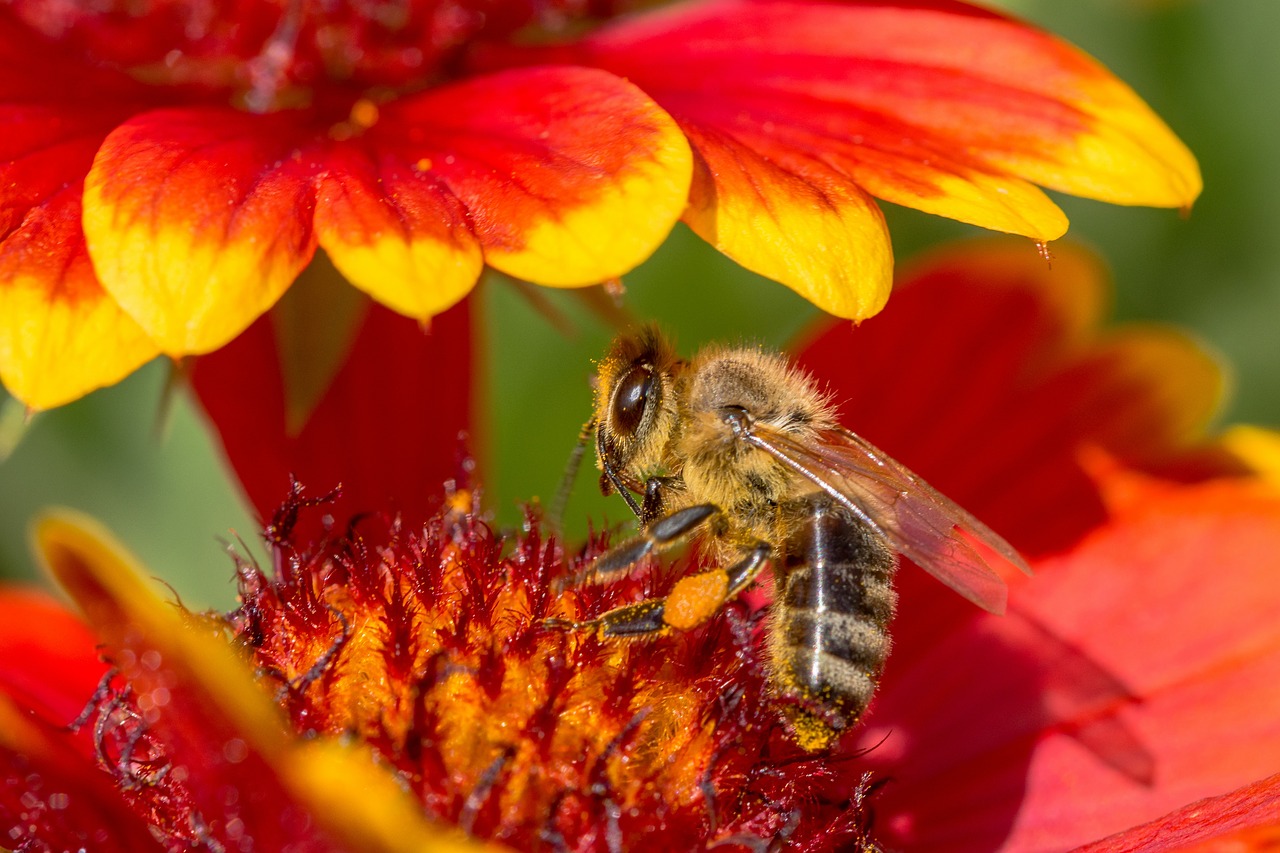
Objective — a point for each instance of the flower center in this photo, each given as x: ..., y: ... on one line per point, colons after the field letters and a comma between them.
x: 274, y: 54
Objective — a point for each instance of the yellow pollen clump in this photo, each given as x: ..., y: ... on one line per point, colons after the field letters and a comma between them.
x: 695, y: 599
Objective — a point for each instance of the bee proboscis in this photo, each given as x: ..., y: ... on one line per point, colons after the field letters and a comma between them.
x: 742, y: 448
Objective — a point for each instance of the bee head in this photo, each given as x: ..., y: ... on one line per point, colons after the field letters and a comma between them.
x: 635, y: 411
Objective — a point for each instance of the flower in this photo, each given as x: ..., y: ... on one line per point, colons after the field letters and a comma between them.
x: 170, y: 168
x: 391, y: 677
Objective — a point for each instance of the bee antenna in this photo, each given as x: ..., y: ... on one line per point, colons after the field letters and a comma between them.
x: 555, y: 515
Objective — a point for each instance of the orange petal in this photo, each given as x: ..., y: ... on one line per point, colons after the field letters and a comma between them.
x: 219, y: 724
x: 197, y: 220
x: 568, y: 176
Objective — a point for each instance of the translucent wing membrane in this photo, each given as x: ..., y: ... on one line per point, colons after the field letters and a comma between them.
x: 919, y: 522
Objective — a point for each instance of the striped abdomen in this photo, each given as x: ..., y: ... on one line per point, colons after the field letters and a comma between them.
x: 833, y: 599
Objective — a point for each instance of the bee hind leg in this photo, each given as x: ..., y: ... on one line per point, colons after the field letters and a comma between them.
x: 692, y: 601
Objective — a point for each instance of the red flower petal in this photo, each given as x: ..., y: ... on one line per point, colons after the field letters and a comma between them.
x: 387, y: 427
x: 48, y: 659
x: 1248, y: 818
x: 565, y: 176
x: 197, y: 220
x: 61, y: 336
x: 935, y: 105
x: 1026, y: 382
x: 53, y: 797
x: 1168, y: 694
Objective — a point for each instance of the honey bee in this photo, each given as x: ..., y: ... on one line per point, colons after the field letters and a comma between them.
x: 742, y: 448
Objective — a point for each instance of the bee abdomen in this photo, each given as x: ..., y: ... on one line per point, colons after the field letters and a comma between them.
x: 834, y: 600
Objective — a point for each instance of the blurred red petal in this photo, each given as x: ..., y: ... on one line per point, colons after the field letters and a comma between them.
x: 1015, y: 380
x: 53, y: 797
x: 387, y: 429
x: 195, y: 745
x: 48, y: 657
x: 1107, y: 717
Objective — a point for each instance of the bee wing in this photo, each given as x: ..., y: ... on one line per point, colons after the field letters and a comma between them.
x: 919, y: 522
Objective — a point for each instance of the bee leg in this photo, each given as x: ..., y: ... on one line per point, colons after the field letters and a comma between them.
x: 695, y: 599
x: 692, y: 601
x: 657, y: 537
x: 654, y: 499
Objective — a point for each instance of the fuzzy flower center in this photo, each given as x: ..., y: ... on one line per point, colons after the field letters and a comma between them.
x: 273, y: 54
x: 431, y: 647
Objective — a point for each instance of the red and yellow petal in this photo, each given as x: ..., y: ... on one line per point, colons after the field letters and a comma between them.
x: 197, y: 220
x: 797, y: 222
x: 938, y: 106
x: 1258, y: 448
x: 61, y: 335
x: 213, y: 721
x: 396, y: 232
x: 568, y: 176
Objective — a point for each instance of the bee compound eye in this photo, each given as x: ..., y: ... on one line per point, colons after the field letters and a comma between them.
x: 629, y: 399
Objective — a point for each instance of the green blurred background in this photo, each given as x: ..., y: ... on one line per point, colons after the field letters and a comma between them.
x: 1210, y: 68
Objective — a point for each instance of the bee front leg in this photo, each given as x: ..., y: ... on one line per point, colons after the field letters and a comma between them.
x: 692, y: 601
x: 654, y: 504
